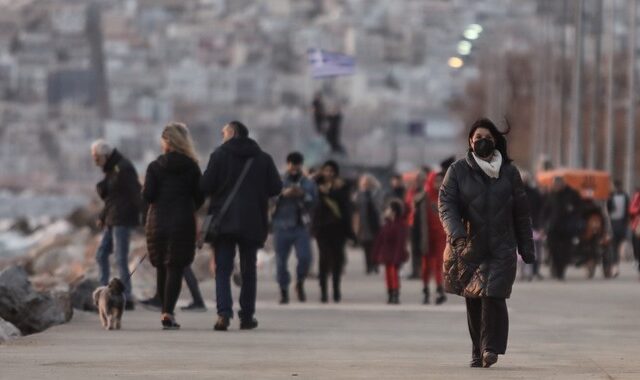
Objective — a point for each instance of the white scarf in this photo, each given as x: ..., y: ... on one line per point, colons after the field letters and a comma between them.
x: 492, y: 167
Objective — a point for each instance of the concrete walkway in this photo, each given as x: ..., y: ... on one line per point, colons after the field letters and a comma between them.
x: 574, y: 330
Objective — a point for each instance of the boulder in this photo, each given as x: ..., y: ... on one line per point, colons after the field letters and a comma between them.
x: 82, y: 294
x: 28, y: 310
x: 8, y: 331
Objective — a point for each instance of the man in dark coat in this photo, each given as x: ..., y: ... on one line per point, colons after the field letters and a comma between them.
x: 245, y: 224
x: 120, y: 191
x: 618, y: 208
x: 561, y: 215
x: 536, y: 204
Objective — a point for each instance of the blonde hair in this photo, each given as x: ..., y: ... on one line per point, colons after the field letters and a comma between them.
x: 370, y: 182
x: 179, y: 139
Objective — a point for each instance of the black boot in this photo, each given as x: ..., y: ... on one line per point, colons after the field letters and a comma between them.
x: 284, y: 296
x: 442, y: 298
x: 425, y: 299
x: 396, y: 297
x: 390, y: 298
x: 324, y: 297
x: 302, y: 296
x: 337, y: 295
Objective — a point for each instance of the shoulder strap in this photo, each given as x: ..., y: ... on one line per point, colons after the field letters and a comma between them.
x: 233, y: 192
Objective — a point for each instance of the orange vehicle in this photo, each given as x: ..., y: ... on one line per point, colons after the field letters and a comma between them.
x: 591, y: 184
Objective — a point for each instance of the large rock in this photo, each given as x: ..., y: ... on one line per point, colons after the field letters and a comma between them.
x: 8, y: 331
x: 82, y: 294
x: 28, y: 310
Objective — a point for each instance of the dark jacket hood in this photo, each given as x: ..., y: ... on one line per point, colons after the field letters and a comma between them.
x: 175, y: 162
x: 241, y: 147
x: 112, y: 161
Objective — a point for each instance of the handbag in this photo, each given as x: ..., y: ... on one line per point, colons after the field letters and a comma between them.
x: 211, y: 224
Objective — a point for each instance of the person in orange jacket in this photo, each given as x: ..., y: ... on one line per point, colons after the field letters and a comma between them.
x: 437, y: 241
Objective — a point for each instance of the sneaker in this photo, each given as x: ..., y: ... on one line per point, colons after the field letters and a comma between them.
x: 476, y: 363
x: 169, y: 323
x: 222, y: 324
x: 489, y: 358
x: 248, y: 324
x: 196, y: 307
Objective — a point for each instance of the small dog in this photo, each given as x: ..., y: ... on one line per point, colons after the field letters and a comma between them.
x: 110, y: 301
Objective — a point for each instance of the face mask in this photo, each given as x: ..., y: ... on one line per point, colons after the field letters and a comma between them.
x: 483, y: 147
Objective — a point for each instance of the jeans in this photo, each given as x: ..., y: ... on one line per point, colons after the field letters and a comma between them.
x: 115, y: 237
x: 192, y: 284
x: 299, y: 238
x: 225, y: 251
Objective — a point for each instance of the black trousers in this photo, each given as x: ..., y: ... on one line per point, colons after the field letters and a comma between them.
x: 416, y: 252
x: 488, y: 321
x: 169, y: 282
x: 332, y: 258
x: 367, y: 247
x: 560, y: 252
x: 636, y: 249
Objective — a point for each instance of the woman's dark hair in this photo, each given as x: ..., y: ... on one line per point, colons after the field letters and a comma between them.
x: 333, y: 165
x: 498, y: 136
x: 397, y: 207
x: 240, y: 129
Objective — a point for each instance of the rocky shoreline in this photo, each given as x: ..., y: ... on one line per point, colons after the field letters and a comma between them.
x: 57, y: 273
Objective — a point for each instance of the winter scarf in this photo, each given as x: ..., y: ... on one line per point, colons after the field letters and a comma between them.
x: 490, y: 168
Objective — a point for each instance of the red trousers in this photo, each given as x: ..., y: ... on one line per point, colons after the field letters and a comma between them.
x: 432, y: 264
x: 393, y: 280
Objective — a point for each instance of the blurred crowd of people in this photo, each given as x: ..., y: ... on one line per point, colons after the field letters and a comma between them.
x: 304, y: 208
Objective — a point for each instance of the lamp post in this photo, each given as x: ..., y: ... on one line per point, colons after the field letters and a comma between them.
x: 631, y: 112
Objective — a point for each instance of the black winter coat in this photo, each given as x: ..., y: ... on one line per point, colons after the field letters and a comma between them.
x: 172, y: 190
x: 492, y: 215
x: 246, y: 218
x: 120, y: 191
x: 333, y: 214
x: 562, y: 214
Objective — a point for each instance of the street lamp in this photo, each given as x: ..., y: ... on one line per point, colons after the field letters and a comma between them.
x: 476, y: 28
x: 471, y: 34
x: 464, y: 47
x: 455, y: 62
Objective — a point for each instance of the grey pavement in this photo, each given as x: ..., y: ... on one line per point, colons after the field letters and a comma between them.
x: 578, y: 329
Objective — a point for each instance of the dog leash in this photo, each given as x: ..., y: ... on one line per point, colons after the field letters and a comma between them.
x: 137, y: 265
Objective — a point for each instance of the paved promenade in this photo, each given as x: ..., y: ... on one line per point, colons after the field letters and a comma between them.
x: 574, y: 330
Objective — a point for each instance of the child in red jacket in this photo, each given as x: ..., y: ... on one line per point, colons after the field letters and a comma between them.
x: 390, y: 248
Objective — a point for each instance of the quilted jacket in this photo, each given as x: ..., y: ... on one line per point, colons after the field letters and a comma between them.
x: 493, y: 218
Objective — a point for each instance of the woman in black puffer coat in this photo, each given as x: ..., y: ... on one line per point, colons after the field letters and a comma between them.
x: 484, y: 210
x: 171, y: 189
